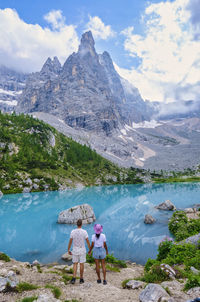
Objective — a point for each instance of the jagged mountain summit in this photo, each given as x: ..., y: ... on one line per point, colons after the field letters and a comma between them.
x: 86, y: 93
x: 88, y: 100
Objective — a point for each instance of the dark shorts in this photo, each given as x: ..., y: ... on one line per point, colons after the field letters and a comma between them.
x: 99, y: 253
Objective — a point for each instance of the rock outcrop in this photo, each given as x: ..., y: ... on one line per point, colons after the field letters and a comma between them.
x: 166, y: 206
x: 153, y: 293
x: 84, y: 212
x: 86, y: 93
x: 193, y: 239
x: 149, y: 219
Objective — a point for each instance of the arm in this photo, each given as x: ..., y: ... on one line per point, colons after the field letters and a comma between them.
x: 106, y: 248
x: 88, y: 243
x: 91, y: 247
x: 69, y: 246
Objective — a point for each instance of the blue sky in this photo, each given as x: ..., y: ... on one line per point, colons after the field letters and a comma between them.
x: 154, y: 44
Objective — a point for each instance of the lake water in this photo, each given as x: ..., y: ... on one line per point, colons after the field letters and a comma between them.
x: 28, y: 228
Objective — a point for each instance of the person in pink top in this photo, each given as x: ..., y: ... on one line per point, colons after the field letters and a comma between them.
x: 100, y: 251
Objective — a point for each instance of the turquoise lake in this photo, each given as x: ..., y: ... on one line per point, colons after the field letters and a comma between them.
x: 29, y: 229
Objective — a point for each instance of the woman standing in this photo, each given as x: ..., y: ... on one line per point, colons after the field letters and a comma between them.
x: 100, y: 251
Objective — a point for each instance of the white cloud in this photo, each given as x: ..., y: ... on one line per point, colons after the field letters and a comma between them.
x: 26, y: 46
x: 99, y: 29
x: 169, y: 54
x: 55, y: 18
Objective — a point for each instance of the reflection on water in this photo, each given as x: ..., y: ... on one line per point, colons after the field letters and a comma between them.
x: 29, y: 230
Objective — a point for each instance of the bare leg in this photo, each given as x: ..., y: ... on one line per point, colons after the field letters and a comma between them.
x: 81, y: 270
x: 75, y: 269
x: 97, y: 268
x: 103, y: 264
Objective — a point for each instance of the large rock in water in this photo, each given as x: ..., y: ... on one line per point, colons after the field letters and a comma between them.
x: 149, y: 219
x: 167, y: 205
x: 84, y: 212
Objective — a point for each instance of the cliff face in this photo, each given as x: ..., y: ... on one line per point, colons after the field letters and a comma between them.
x: 86, y: 92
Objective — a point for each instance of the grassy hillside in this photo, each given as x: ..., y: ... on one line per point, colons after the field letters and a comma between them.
x: 35, y: 156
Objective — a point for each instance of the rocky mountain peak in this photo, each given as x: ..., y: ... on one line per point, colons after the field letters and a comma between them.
x: 87, y: 44
x: 51, y: 66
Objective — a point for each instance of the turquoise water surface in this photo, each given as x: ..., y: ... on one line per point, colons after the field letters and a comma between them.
x: 29, y: 231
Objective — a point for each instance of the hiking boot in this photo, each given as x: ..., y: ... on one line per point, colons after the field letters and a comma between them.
x: 104, y: 282
x: 73, y: 280
x: 99, y: 281
x: 81, y: 280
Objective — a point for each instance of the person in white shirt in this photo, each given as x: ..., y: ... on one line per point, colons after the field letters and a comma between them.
x: 100, y: 251
x: 78, y: 237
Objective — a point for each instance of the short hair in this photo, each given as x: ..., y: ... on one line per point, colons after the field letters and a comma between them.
x: 79, y: 222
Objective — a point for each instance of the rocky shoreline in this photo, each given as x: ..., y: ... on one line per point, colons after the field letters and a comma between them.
x: 51, y: 283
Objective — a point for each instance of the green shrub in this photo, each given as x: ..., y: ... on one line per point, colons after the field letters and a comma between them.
x: 55, y: 290
x: 29, y: 299
x: 181, y: 254
x: 112, y: 268
x: 149, y: 264
x: 193, y: 281
x: 183, y: 228
x: 164, y: 248
x: 155, y: 275
x: 24, y: 286
x: 4, y: 257
x: 111, y: 259
x: 39, y: 268
x: 66, y: 278
x: 90, y: 259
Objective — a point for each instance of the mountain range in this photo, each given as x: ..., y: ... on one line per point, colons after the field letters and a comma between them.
x: 87, y: 100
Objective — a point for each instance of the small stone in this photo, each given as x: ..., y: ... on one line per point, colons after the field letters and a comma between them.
x: 133, y: 284
x: 194, y: 270
x: 36, y: 262
x: 47, y: 298
x: 35, y: 186
x: 3, y: 282
x: 28, y: 181
x: 169, y: 270
x: 149, y: 219
x: 66, y: 257
x: 1, y: 194
x: 6, y: 187
x: 26, y: 190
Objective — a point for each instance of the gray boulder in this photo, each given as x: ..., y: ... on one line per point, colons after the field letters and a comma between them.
x: 153, y: 293
x: 84, y: 212
x: 167, y: 205
x: 133, y: 284
x: 193, y: 239
x: 149, y: 219
x: 1, y: 194
x: 9, y: 281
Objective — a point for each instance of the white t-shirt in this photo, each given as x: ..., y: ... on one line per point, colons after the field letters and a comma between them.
x: 79, y: 236
x: 99, y: 242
